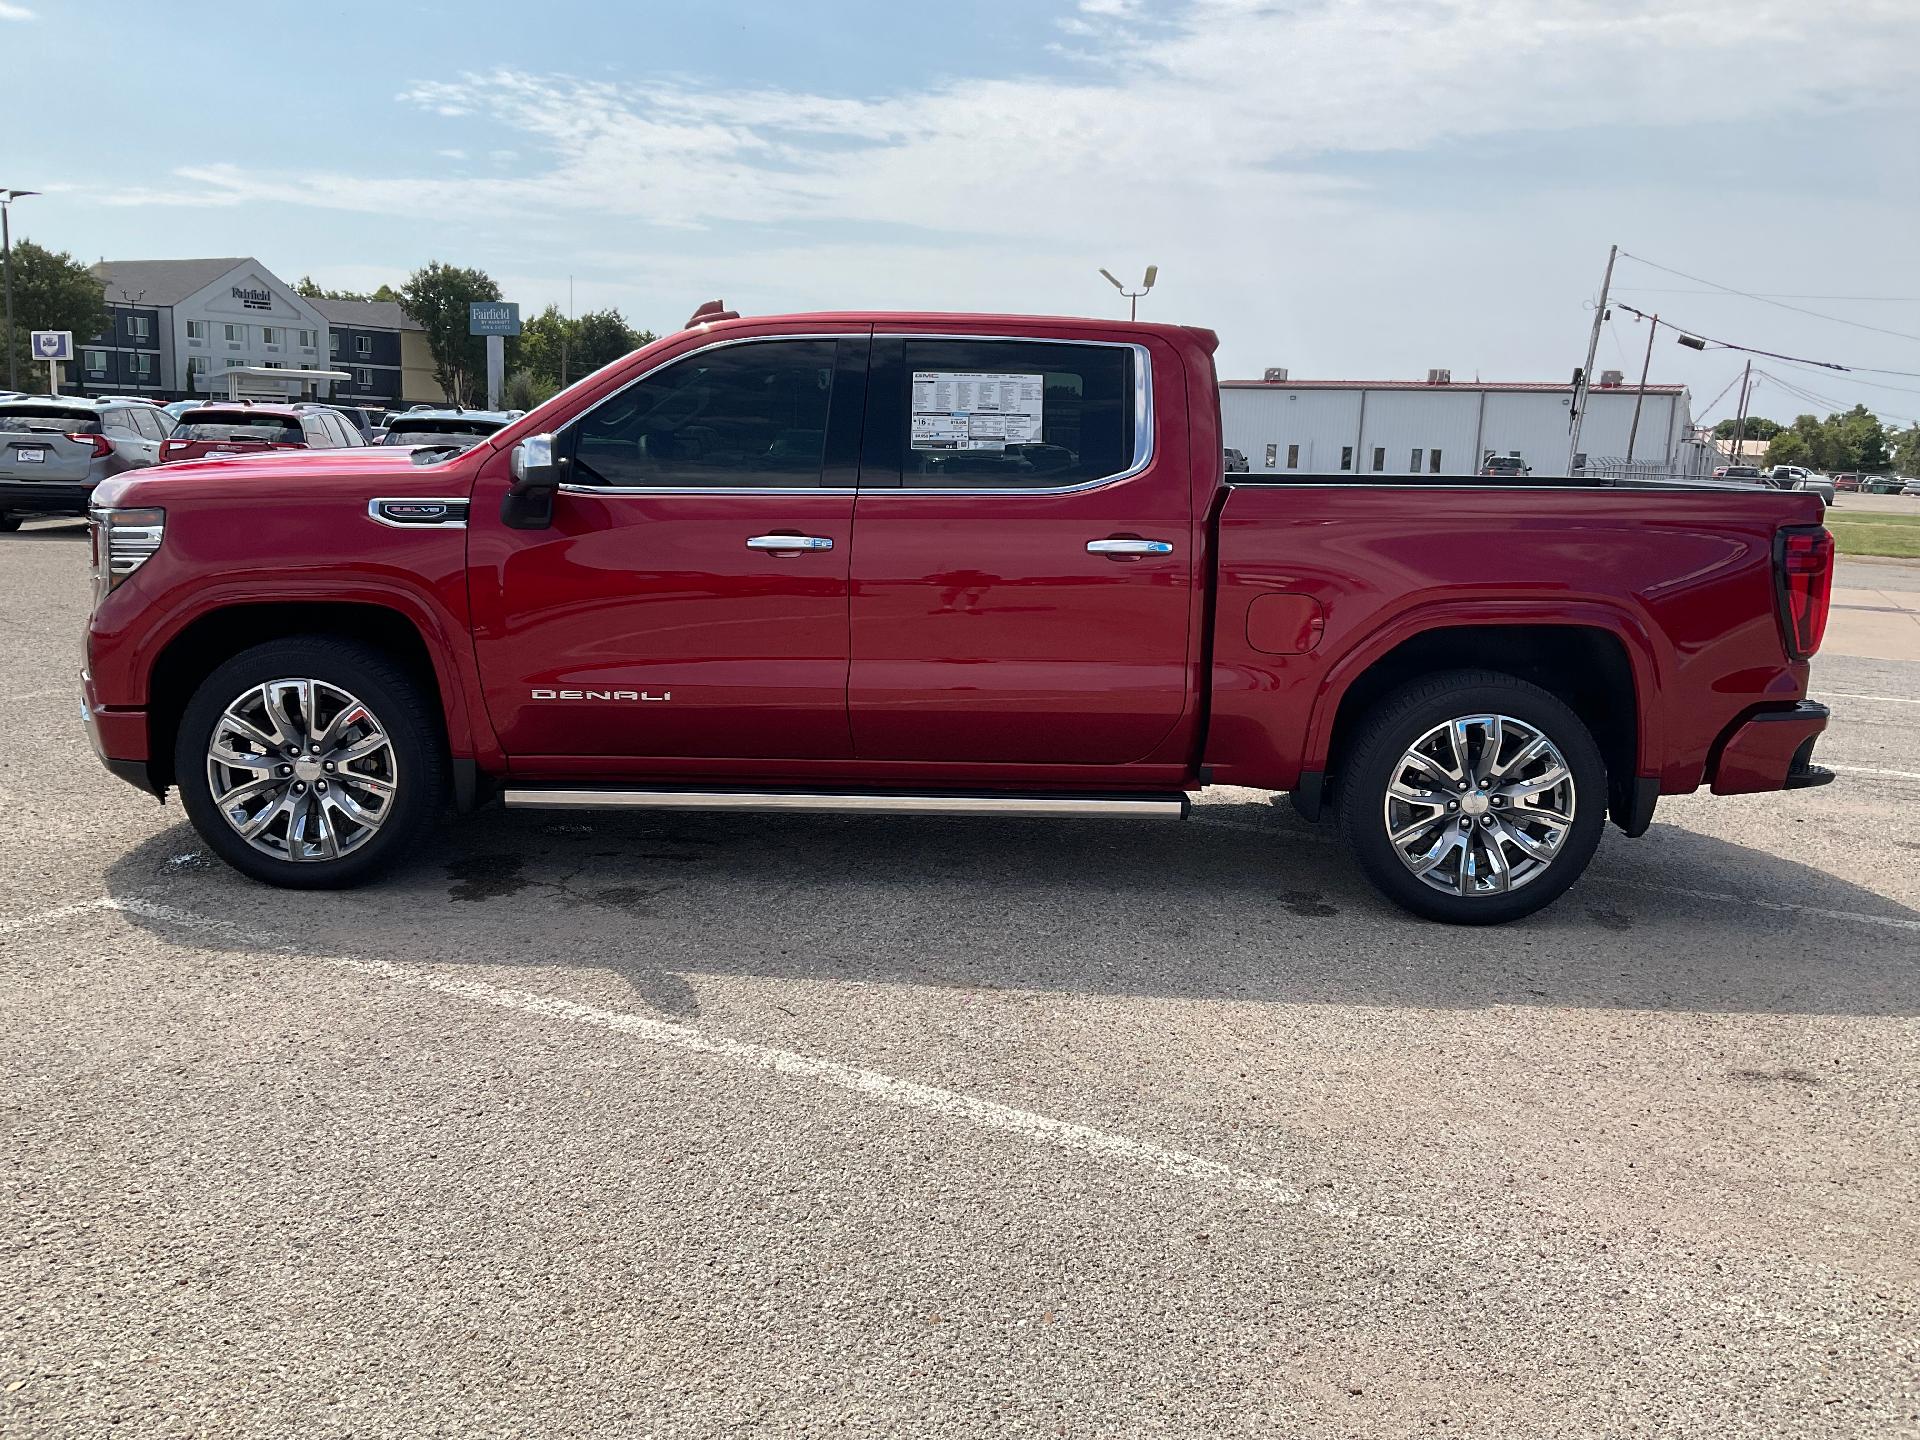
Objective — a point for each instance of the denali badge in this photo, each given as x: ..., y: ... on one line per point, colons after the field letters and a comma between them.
x: 601, y: 695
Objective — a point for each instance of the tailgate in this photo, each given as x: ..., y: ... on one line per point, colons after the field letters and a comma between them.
x: 44, y: 455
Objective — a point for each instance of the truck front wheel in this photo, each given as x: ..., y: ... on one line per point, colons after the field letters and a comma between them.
x: 310, y: 762
x: 1473, y: 797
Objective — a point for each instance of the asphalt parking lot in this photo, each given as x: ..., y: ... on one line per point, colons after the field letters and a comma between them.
x: 726, y: 1125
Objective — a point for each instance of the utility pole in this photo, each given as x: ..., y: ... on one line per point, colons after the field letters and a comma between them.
x: 563, y: 334
x: 1585, y: 387
x: 7, y: 197
x: 1740, y: 426
x: 1641, y: 398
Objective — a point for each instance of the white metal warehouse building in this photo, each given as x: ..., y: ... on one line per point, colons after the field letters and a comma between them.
x: 1439, y: 427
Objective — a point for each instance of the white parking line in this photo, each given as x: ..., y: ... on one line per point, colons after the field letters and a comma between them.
x: 1883, y: 699
x: 1869, y: 770
x: 1044, y: 1129
x: 1856, y: 917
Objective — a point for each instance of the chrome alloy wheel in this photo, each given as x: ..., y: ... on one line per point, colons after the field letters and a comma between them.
x: 1479, y: 805
x: 301, y: 770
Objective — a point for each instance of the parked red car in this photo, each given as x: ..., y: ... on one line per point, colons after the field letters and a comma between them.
x: 942, y: 565
x: 1845, y: 481
x: 211, y: 431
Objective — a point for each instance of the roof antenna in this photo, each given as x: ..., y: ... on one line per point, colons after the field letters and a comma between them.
x: 708, y: 313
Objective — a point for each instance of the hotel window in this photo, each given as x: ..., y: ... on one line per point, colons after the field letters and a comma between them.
x: 138, y: 327
x: 363, y: 377
x: 196, y: 365
x: 269, y: 335
x: 196, y: 332
x: 96, y: 364
x: 363, y: 345
x: 143, y: 366
x: 236, y: 334
x: 306, y: 339
x: 233, y: 364
x: 333, y: 343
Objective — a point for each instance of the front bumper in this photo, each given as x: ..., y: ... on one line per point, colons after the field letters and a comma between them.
x: 118, y: 737
x: 1772, y: 750
x: 36, y: 497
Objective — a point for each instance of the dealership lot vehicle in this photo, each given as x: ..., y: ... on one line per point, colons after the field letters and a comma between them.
x: 671, y: 609
x: 53, y: 451
x: 436, y: 429
x: 1796, y: 477
x: 630, y: 1123
x: 216, y: 431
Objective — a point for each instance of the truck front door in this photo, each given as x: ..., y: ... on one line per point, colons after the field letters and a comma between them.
x: 1023, y: 571
x: 690, y: 598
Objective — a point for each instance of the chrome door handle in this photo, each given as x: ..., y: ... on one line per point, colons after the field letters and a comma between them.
x: 1129, y: 547
x: 789, y: 542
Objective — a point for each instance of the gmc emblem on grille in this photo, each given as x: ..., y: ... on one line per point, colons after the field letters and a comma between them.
x: 601, y: 695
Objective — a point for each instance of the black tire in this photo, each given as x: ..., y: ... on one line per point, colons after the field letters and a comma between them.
x: 403, y: 710
x: 9, y: 523
x: 1397, y: 722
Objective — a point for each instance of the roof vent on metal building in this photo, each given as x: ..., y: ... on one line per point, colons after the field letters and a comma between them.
x: 1611, y: 379
x: 1276, y: 375
x: 1439, y: 377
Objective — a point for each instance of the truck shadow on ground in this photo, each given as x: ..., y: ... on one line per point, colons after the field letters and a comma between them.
x: 1247, y: 903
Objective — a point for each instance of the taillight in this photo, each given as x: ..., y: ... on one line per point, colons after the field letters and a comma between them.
x: 1803, y: 575
x: 102, y: 447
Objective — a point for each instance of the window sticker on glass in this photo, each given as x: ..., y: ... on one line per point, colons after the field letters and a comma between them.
x: 975, y: 409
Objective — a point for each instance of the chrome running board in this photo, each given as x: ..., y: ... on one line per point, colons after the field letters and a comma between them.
x: 1057, y: 806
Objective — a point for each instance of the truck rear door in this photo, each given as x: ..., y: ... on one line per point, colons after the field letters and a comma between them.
x: 1023, y: 565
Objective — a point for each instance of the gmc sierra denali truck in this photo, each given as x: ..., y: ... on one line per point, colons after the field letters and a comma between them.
x: 945, y: 565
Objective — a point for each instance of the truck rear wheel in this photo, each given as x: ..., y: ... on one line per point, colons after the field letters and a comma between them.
x: 310, y: 762
x: 1473, y: 797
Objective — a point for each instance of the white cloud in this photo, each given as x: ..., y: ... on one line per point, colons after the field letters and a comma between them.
x: 10, y: 11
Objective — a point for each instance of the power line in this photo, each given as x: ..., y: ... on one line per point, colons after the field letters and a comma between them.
x: 1832, y: 405
x: 1764, y: 300
x: 1772, y: 354
x: 1768, y: 295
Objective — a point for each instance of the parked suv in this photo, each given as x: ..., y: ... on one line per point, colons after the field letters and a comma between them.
x: 55, y: 449
x: 1510, y: 466
x: 210, y: 431
x: 1798, y: 477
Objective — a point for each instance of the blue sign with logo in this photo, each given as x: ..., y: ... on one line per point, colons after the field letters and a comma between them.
x: 58, y: 344
x: 493, y: 317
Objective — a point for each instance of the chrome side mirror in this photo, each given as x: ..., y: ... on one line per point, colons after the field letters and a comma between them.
x: 528, y: 504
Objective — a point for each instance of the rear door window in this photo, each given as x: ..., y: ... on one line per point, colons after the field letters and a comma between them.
x: 998, y: 414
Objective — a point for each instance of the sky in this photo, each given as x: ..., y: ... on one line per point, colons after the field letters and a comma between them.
x: 1352, y: 189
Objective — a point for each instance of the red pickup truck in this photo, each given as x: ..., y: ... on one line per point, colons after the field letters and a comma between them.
x: 950, y: 565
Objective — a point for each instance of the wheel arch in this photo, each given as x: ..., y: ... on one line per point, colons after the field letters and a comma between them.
x: 210, y: 639
x: 1598, y: 665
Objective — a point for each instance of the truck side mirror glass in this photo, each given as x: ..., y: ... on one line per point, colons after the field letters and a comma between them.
x: 528, y: 504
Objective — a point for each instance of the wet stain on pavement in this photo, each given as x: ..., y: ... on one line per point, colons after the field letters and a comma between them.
x: 630, y: 898
x: 1609, y: 919
x: 1787, y: 1074
x: 1307, y: 903
x: 486, y: 877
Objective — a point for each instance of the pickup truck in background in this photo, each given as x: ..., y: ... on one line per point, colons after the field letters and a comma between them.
x: 944, y: 565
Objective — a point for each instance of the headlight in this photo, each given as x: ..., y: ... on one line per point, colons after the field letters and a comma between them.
x: 123, y: 541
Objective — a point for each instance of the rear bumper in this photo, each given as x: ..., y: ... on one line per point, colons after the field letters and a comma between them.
x: 35, y: 497
x: 1772, y: 750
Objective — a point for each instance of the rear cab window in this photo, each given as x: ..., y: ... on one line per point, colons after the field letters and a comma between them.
x: 963, y: 414
x: 229, y: 426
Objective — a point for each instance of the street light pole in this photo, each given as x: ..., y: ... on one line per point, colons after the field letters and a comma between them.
x: 1585, y: 388
x: 1641, y: 398
x: 1133, y: 296
x: 7, y: 197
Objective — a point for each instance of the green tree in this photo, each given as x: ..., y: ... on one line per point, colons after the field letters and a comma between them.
x: 437, y: 297
x: 523, y: 390
x: 1758, y: 427
x: 1860, y: 438
x: 1906, y: 451
x: 601, y: 337
x: 51, y: 291
x: 543, y: 342
x: 306, y: 285
x: 1788, y: 448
